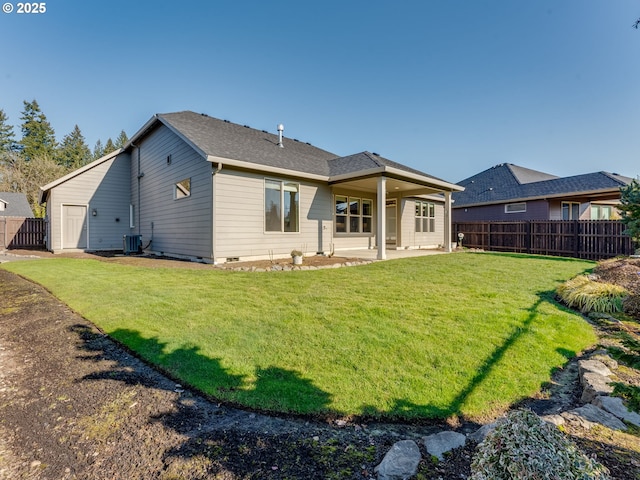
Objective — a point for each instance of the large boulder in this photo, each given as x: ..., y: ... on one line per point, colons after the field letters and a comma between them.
x: 400, y: 462
x: 443, y: 442
x: 615, y: 406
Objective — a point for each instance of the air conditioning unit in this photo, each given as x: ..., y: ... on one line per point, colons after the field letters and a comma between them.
x: 132, y: 244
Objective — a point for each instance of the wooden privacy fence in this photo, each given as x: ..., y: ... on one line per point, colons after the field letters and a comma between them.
x: 588, y: 239
x: 18, y: 232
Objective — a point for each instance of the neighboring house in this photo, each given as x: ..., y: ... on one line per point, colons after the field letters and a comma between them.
x: 195, y: 186
x: 508, y: 192
x: 15, y: 205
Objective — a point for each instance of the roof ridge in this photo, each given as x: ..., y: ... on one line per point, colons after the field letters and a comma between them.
x: 374, y: 158
x: 509, y: 165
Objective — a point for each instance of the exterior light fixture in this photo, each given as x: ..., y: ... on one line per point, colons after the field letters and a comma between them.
x: 94, y: 212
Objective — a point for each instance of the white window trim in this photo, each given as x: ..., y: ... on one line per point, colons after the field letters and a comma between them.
x: 348, y: 215
x: 570, y: 204
x: 185, y: 193
x: 432, y: 219
x: 282, y: 190
x: 522, y: 210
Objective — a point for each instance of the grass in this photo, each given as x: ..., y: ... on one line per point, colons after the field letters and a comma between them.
x: 426, y: 337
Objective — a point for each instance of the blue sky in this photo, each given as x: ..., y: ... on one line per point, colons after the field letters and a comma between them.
x: 448, y: 87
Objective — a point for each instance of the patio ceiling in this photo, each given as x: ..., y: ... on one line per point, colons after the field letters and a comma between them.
x: 394, y: 185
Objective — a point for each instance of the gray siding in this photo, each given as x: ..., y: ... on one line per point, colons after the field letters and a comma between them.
x: 536, y: 210
x: 104, y: 188
x: 412, y: 239
x: 347, y: 241
x: 173, y: 226
x: 239, y: 213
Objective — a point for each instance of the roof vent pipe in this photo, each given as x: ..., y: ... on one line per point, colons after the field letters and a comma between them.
x: 280, y: 130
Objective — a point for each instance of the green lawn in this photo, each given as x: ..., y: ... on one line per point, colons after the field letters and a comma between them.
x: 436, y: 336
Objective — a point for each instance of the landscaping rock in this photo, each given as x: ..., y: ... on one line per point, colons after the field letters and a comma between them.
x: 616, y: 406
x: 594, y: 385
x: 589, y: 414
x: 440, y: 443
x: 604, y: 357
x: 556, y: 420
x: 594, y: 366
x: 479, y: 435
x: 401, y: 462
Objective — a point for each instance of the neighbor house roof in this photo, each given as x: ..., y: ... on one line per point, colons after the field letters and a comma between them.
x: 509, y: 183
x: 14, y: 205
x: 222, y: 141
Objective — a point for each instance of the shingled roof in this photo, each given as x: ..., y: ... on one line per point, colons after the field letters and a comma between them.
x: 213, y: 137
x: 220, y: 138
x: 15, y: 205
x: 507, y: 182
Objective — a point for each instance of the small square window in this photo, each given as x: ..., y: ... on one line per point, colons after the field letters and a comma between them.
x: 182, y: 189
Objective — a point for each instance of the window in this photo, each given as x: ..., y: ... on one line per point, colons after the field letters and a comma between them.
x: 602, y: 212
x: 182, y: 189
x: 353, y: 215
x: 281, y: 206
x: 132, y: 218
x: 515, y: 207
x: 425, y: 217
x: 570, y: 211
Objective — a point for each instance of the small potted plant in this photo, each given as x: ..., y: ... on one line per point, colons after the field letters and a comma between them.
x: 297, y: 257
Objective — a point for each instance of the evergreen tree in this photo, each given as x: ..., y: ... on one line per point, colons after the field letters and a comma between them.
x: 122, y: 139
x: 6, y: 133
x: 98, y: 150
x: 630, y: 209
x: 109, y: 147
x: 38, y: 137
x: 74, y: 152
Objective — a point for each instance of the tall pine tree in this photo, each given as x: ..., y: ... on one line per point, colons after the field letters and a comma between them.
x: 38, y: 137
x: 74, y: 152
x: 98, y: 150
x: 109, y: 146
x: 6, y: 133
x: 122, y: 139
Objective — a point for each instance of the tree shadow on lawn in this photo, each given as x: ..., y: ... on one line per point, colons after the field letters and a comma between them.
x: 278, y: 390
x: 406, y: 409
x: 275, y: 390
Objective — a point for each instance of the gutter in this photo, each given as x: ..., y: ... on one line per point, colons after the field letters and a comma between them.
x: 540, y: 197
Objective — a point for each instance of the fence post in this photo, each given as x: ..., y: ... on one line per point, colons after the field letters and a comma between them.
x: 576, y: 239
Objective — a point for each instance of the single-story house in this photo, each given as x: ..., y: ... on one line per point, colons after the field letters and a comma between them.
x: 199, y: 187
x: 14, y: 204
x: 509, y: 192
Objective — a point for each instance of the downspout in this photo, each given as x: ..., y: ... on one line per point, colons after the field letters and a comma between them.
x: 140, y: 175
x: 213, y: 211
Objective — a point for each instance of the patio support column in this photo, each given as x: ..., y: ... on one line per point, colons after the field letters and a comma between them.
x: 447, y: 222
x: 381, y: 230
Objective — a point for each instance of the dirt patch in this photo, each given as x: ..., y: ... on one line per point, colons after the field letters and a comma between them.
x: 160, y: 261
x: 626, y: 273
x: 75, y: 405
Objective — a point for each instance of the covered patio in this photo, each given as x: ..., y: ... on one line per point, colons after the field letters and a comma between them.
x: 389, y: 182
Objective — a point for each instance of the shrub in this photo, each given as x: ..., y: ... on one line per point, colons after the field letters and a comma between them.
x: 630, y: 355
x: 589, y: 296
x: 524, y: 447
